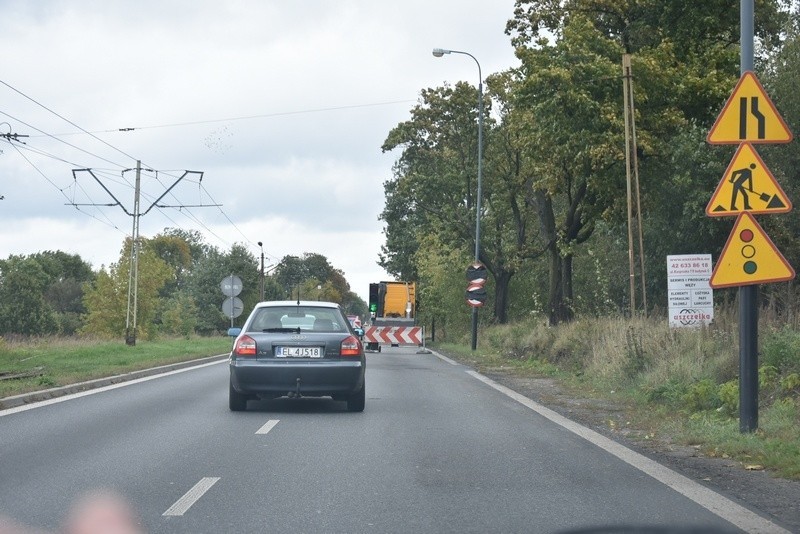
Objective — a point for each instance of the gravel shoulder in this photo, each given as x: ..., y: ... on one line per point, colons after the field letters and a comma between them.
x: 775, y: 498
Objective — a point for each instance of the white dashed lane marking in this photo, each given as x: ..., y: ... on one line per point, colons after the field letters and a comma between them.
x: 268, y: 426
x: 192, y: 496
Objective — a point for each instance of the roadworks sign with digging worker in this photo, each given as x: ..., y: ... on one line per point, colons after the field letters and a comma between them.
x: 747, y: 186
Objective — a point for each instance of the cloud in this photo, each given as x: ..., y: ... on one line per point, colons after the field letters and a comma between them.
x: 282, y: 105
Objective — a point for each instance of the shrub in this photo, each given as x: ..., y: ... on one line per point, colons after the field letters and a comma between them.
x: 670, y: 393
x: 728, y: 394
x: 701, y: 396
x: 781, y: 349
x: 790, y: 384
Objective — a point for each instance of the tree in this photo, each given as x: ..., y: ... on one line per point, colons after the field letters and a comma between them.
x: 685, y: 61
x: 314, y: 278
x: 106, y: 299
x: 177, y: 253
x: 781, y: 80
x: 23, y: 309
x: 573, y: 134
x: 67, y: 273
x: 433, y: 192
x: 204, y: 286
x: 440, y: 287
x: 179, y: 315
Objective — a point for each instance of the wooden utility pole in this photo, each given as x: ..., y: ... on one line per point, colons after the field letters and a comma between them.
x: 632, y: 180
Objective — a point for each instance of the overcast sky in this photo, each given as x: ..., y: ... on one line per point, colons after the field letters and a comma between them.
x: 283, y: 105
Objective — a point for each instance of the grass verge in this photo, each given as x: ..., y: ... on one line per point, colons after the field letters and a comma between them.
x: 45, y: 363
x: 675, y: 386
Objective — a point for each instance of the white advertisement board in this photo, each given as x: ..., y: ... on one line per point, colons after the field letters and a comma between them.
x: 691, y: 299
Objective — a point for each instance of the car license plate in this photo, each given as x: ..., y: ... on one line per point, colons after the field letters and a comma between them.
x: 298, y: 352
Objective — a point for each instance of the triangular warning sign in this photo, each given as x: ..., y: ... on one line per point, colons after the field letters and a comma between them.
x: 749, y: 115
x: 747, y: 185
x: 749, y: 257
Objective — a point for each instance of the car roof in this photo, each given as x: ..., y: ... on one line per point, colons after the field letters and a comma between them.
x: 303, y: 303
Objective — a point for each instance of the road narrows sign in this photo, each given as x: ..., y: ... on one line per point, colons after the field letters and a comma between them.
x: 749, y: 116
x: 747, y: 185
x: 749, y: 257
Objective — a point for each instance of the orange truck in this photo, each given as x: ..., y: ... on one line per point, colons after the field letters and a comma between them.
x: 392, y: 304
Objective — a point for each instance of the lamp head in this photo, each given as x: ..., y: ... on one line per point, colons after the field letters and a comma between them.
x: 260, y: 244
x: 439, y: 52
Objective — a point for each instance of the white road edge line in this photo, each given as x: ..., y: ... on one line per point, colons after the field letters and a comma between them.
x: 71, y: 396
x: 444, y: 358
x: 723, y: 507
x: 192, y: 496
x: 268, y: 426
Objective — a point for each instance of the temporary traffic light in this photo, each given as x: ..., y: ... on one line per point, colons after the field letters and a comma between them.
x: 373, y: 299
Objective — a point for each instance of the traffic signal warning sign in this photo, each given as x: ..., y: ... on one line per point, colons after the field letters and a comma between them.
x: 749, y: 257
x: 747, y: 185
x: 749, y: 116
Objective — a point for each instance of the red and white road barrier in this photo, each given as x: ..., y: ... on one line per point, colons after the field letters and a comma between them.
x: 394, y: 335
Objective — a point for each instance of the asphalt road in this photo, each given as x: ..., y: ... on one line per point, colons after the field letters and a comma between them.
x: 438, y: 448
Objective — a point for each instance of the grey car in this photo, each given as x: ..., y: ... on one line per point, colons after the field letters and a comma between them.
x: 297, y: 349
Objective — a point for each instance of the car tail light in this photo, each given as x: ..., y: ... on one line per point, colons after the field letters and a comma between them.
x: 245, y: 346
x: 351, y: 346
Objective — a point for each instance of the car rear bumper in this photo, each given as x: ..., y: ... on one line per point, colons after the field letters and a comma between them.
x: 277, y: 378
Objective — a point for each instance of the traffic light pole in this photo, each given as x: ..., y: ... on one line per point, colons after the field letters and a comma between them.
x: 748, y: 295
x: 748, y: 359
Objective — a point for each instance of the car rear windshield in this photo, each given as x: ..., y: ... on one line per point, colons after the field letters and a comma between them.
x: 306, y: 318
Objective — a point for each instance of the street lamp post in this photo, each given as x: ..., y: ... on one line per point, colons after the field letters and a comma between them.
x: 261, y: 278
x: 439, y: 52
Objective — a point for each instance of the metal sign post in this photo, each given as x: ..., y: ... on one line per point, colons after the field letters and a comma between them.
x: 749, y: 257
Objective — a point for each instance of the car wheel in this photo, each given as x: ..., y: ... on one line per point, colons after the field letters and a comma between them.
x: 356, y: 401
x: 236, y: 401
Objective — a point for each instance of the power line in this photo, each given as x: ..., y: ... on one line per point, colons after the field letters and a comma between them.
x: 66, y: 120
x: 15, y: 137
x: 45, y: 134
x: 108, y: 176
x: 242, y: 118
x: 60, y: 190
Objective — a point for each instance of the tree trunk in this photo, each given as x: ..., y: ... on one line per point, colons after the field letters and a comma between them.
x: 502, y: 282
x: 567, y: 313
x: 547, y: 219
x: 558, y: 309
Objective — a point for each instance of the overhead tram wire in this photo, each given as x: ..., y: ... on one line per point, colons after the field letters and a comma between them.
x: 91, y: 134
x: 67, y: 121
x: 73, y: 124
x: 55, y: 138
x: 108, y: 221
x: 190, y: 215
x: 241, y: 118
x: 25, y: 146
x: 226, y: 216
x: 109, y: 174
